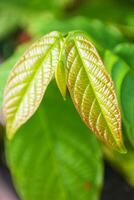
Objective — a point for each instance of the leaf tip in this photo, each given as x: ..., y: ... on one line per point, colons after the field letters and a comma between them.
x: 64, y: 96
x: 62, y: 90
x: 122, y: 149
x: 10, y: 132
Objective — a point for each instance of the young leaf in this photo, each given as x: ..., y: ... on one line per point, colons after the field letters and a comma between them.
x: 92, y: 90
x: 61, y: 78
x: 58, y: 162
x: 29, y: 79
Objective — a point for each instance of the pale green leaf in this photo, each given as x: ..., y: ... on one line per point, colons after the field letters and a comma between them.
x: 29, y: 79
x: 61, y: 78
x: 92, y: 90
x: 53, y: 156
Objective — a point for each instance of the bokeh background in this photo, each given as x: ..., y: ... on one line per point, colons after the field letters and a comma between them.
x: 23, y: 21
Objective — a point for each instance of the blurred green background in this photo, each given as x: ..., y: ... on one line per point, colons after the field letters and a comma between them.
x: 54, y: 158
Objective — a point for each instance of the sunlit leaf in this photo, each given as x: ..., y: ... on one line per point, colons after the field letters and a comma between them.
x: 29, y: 79
x: 61, y: 78
x: 92, y: 90
x: 51, y: 158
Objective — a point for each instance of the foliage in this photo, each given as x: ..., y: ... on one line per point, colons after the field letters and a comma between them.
x: 120, y: 65
x: 29, y: 80
x: 87, y: 80
x: 47, y: 155
x: 54, y: 155
x: 96, y: 29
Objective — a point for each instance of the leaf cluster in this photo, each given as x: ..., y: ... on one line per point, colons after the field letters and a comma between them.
x: 53, y: 150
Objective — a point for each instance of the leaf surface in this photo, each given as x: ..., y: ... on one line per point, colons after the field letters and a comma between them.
x: 61, y: 78
x: 92, y: 90
x: 29, y: 79
x: 58, y: 162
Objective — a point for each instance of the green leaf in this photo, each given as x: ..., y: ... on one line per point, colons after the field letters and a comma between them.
x: 127, y: 100
x: 29, y: 79
x: 61, y: 76
x: 52, y: 157
x: 123, y: 77
x: 92, y: 90
x: 117, y: 69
